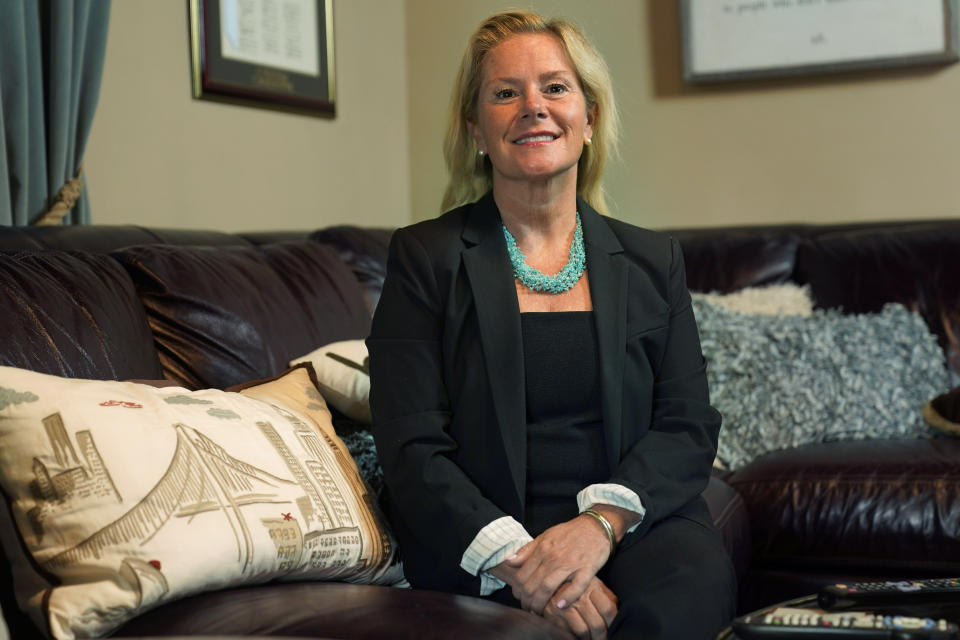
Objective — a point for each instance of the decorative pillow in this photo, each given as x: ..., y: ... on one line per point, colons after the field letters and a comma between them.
x: 362, y: 448
x: 786, y: 299
x: 774, y: 300
x: 789, y: 380
x: 943, y: 412
x: 125, y: 496
x: 343, y: 375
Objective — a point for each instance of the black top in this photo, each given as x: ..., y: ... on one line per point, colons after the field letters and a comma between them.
x: 565, y: 450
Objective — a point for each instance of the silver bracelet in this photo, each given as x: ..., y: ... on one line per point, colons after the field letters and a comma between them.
x: 599, y: 517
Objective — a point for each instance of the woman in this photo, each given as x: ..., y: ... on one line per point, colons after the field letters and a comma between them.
x: 545, y: 439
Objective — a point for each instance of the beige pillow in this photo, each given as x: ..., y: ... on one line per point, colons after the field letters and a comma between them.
x: 343, y: 377
x: 127, y: 496
x: 772, y: 300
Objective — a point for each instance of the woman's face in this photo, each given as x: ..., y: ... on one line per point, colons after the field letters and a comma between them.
x: 532, y: 117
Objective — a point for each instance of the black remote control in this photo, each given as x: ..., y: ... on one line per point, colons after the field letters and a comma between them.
x: 788, y: 624
x: 897, y: 593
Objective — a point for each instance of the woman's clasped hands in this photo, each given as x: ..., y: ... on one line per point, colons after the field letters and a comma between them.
x: 555, y: 576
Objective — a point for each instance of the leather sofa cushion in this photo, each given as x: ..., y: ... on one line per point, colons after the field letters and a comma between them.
x: 75, y: 315
x: 344, y: 611
x: 365, y: 251
x: 727, y: 259
x: 856, y: 506
x: 223, y: 316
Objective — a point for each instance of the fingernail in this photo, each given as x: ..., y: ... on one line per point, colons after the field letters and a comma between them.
x: 561, y: 604
x: 511, y: 557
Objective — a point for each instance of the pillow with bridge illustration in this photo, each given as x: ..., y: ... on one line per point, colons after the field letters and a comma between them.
x: 123, y: 496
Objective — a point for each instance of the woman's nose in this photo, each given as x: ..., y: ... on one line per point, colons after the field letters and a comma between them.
x: 533, y: 107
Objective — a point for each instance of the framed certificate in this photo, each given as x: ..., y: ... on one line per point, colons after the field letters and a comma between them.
x: 276, y: 54
x: 742, y: 39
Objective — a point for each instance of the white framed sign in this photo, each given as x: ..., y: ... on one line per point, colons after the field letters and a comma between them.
x: 741, y: 39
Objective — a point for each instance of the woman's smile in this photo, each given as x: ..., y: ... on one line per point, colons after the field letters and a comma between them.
x: 536, y: 139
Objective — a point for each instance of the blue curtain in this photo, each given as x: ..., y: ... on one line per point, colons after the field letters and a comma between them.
x: 51, y: 63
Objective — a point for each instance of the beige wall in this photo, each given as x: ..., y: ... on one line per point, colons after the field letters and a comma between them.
x: 852, y: 147
x: 158, y: 157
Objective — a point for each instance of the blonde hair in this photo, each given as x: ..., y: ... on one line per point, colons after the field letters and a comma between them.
x: 471, y: 176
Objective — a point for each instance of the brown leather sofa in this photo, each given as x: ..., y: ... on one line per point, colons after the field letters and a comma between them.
x: 210, y: 310
x: 791, y: 520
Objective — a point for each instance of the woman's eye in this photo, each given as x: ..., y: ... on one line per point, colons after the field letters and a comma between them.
x: 556, y: 88
x: 503, y: 94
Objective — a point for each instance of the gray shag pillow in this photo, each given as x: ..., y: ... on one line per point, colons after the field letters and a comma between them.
x: 784, y: 381
x: 364, y: 452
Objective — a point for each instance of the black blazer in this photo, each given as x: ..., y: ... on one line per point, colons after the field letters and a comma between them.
x: 447, y: 382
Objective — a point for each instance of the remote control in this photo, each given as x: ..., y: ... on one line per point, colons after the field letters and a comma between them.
x: 904, y: 592
x: 789, y: 623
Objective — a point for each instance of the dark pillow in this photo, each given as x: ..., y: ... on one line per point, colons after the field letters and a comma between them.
x: 224, y: 315
x: 73, y: 314
x: 943, y: 412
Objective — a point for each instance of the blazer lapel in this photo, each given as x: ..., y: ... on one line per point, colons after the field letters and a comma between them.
x: 498, y: 312
x: 607, y: 276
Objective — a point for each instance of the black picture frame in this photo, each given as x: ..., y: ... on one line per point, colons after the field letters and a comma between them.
x: 281, y: 62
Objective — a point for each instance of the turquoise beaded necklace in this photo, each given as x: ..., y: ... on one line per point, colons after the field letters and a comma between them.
x: 537, y: 280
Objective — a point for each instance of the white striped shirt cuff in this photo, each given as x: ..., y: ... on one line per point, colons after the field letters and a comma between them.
x: 615, y: 495
x: 493, y: 544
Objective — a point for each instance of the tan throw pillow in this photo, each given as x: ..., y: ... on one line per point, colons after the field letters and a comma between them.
x: 343, y: 377
x: 125, y: 496
x: 773, y: 300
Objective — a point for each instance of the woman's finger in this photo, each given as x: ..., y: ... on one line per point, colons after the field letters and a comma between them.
x: 605, y: 602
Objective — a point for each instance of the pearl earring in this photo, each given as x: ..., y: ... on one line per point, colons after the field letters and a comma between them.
x: 481, y: 153
x: 588, y: 141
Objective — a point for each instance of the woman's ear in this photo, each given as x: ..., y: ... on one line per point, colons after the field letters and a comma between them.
x: 475, y: 133
x: 591, y: 119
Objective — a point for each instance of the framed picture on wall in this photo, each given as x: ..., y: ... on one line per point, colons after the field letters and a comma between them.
x: 276, y: 54
x: 745, y: 39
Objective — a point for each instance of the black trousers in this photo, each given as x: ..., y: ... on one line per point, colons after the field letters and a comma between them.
x: 676, y: 582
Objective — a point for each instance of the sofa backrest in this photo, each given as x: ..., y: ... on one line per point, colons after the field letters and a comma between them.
x: 862, y: 269
x: 364, y: 250
x: 201, y: 308
x: 104, y: 238
x: 726, y: 259
x: 858, y: 267
x: 73, y: 314
x: 223, y: 316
